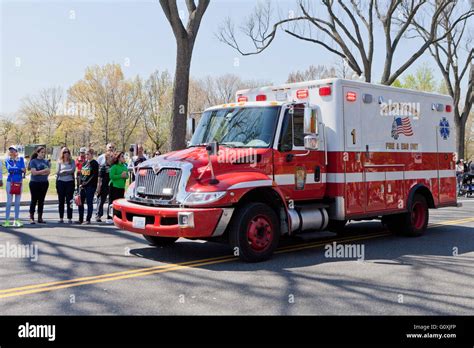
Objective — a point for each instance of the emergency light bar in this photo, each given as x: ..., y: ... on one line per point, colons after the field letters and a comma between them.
x: 302, y: 94
x: 324, y: 91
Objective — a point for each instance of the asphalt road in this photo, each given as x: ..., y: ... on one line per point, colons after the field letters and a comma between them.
x: 100, y: 270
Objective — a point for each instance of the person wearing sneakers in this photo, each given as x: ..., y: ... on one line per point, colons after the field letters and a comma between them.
x: 118, y: 178
x: 15, y: 168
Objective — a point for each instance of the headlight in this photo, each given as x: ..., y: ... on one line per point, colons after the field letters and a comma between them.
x: 198, y: 198
x: 129, y: 193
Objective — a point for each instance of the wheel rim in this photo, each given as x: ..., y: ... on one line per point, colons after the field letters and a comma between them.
x: 260, y: 233
x: 418, y: 215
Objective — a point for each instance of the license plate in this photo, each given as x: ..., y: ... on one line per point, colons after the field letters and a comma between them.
x: 138, y: 222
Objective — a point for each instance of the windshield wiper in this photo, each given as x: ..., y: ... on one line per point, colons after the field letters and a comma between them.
x: 228, y: 145
x: 198, y: 145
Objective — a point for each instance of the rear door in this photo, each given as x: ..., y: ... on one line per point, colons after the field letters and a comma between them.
x: 445, y: 165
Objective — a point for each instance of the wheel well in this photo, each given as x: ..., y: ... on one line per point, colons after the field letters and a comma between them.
x: 264, y: 195
x: 425, y: 192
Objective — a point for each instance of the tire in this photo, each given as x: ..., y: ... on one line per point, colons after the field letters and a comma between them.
x: 160, y: 241
x: 413, y: 223
x: 337, y: 226
x: 254, y: 232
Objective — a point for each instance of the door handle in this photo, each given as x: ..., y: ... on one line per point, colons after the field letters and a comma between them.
x: 317, y: 174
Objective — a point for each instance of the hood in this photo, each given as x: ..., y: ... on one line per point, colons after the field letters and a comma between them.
x: 228, y: 161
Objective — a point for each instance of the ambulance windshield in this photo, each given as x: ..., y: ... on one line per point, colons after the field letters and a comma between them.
x: 238, y: 127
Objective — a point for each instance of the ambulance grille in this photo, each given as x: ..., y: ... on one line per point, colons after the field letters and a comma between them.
x: 163, y: 185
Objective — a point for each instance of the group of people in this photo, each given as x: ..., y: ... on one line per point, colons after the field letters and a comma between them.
x: 465, y: 176
x: 78, y: 181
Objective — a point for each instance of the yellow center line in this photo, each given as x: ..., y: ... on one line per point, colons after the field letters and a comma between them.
x: 107, y: 275
x: 57, y: 285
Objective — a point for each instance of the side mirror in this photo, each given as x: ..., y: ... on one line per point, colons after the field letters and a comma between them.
x: 311, y: 142
x: 190, y: 127
x: 212, y: 148
x: 310, y: 121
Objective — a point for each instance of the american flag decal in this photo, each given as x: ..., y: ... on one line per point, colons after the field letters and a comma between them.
x: 401, y: 126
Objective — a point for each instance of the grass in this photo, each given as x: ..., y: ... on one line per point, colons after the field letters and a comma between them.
x: 26, y: 186
x: 52, y: 181
x: 26, y: 182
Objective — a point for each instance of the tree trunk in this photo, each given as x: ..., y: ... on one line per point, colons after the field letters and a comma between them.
x: 461, y: 136
x: 180, y: 94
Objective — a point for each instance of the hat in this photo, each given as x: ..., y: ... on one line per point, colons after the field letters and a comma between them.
x: 13, y: 147
x: 83, y: 149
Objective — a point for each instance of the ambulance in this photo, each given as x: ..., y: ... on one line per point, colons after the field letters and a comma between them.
x: 299, y: 157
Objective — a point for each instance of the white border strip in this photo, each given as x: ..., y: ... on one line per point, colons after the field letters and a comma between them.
x: 248, y: 184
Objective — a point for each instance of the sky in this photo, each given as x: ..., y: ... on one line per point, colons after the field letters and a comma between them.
x: 50, y: 43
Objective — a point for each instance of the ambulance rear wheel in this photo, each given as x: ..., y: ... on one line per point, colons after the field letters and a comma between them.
x: 254, y: 232
x: 413, y: 223
x: 160, y: 241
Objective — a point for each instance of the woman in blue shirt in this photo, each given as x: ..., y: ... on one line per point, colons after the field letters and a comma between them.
x: 15, y: 169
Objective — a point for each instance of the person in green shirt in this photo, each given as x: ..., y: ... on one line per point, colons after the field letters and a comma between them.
x: 118, y: 175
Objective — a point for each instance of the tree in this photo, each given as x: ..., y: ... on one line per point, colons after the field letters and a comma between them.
x: 6, y: 128
x: 312, y: 73
x: 18, y: 132
x: 185, y: 39
x: 32, y: 119
x: 222, y: 89
x: 128, y: 108
x: 422, y: 80
x: 75, y: 132
x: 98, y: 88
x: 156, y: 97
x: 346, y: 29
x: 42, y: 112
x: 447, y: 54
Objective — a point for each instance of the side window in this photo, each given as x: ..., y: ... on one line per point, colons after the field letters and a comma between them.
x: 298, y: 127
x: 286, y: 134
x: 292, y: 133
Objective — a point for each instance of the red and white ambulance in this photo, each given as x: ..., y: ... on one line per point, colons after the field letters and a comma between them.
x: 299, y: 157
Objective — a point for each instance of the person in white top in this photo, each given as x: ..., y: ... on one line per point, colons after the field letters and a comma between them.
x: 110, y: 148
x: 460, y: 172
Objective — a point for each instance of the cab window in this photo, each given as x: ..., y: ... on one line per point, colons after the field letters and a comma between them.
x: 292, y: 132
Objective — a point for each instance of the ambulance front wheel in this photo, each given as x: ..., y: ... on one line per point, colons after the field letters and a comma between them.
x: 413, y: 223
x: 160, y: 241
x: 254, y: 232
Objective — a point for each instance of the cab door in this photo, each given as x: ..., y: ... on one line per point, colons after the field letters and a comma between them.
x: 299, y: 173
